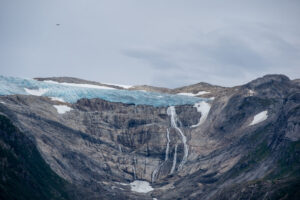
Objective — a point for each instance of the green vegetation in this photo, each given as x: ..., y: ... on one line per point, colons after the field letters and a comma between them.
x: 288, y: 163
x: 283, y: 182
x: 253, y: 158
x: 23, y: 172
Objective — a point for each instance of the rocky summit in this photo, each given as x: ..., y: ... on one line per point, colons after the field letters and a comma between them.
x: 68, y: 138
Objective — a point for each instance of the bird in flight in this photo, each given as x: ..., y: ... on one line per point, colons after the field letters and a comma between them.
x: 57, y: 24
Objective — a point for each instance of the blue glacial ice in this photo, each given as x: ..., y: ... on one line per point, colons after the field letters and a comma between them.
x: 13, y: 85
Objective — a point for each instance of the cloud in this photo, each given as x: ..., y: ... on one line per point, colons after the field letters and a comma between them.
x: 155, y: 59
x: 170, y: 42
x: 227, y: 56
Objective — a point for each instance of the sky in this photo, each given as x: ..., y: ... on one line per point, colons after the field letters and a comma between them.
x: 168, y: 43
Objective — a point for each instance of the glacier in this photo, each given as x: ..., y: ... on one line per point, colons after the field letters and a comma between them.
x: 72, y: 93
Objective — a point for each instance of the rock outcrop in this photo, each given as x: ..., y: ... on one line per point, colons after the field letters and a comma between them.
x: 103, y: 146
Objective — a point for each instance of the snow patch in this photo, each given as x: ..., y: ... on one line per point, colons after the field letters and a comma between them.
x: 192, y: 94
x: 262, y: 116
x: 82, y: 85
x: 202, y: 92
x: 61, y: 109
x: 251, y: 92
x: 114, y: 187
x: 186, y: 94
x: 141, y: 186
x: 120, y: 85
x: 38, y: 92
x: 57, y: 99
x: 2, y: 102
x: 204, y: 108
x: 124, y: 184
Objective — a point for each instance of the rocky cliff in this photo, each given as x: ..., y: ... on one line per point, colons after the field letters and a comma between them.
x: 242, y: 144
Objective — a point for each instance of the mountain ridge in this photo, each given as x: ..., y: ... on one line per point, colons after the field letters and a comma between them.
x: 106, y: 146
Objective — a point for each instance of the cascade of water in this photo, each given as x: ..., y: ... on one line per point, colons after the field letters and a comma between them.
x: 172, y: 113
x: 174, y: 160
x: 134, y: 167
x: 120, y: 149
x: 156, y: 170
x: 168, y: 145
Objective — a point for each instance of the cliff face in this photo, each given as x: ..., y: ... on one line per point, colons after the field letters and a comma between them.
x: 241, y: 144
x: 24, y: 174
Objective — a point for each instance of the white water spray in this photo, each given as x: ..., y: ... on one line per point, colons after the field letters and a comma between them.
x: 168, y: 145
x: 172, y: 112
x: 174, y: 160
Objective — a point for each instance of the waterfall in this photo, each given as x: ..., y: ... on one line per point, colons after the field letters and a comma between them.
x: 156, y: 170
x: 120, y: 148
x: 134, y: 167
x: 172, y: 113
x: 174, y: 160
x: 153, y: 177
x: 168, y: 145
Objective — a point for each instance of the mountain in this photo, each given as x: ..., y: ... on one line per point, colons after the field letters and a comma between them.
x: 95, y: 141
x: 76, y: 81
x: 199, y: 89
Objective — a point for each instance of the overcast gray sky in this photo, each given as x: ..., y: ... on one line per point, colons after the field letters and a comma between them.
x: 158, y: 42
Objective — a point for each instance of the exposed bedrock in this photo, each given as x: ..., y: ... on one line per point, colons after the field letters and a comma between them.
x: 103, y: 145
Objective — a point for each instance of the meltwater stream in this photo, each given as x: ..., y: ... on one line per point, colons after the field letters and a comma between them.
x: 72, y: 93
x: 172, y: 112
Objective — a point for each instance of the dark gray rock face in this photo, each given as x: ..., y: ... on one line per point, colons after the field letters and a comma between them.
x: 101, y: 145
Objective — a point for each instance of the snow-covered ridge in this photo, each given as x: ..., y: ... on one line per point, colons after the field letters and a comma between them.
x: 120, y: 85
x: 262, y: 116
x: 82, y: 85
